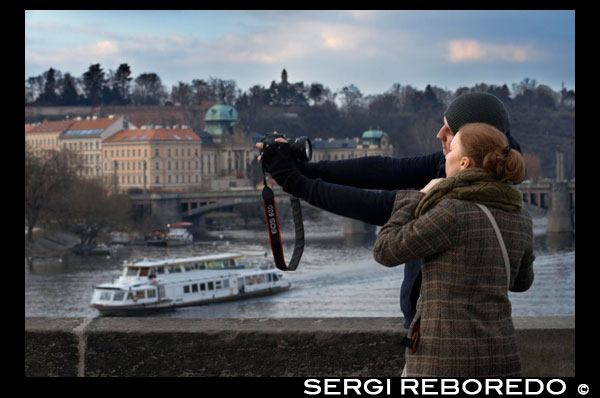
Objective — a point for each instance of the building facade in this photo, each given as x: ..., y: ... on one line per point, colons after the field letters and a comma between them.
x: 45, y: 136
x: 85, y: 137
x: 227, y: 147
x: 371, y: 143
x: 161, y: 159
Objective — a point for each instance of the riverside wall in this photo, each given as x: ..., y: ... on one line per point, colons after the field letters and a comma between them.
x: 345, y: 347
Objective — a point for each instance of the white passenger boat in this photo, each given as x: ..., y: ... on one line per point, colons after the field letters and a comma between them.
x: 153, y: 284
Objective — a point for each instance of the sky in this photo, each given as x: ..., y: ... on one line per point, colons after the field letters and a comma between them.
x: 371, y: 49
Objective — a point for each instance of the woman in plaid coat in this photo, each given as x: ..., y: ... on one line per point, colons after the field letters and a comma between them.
x: 464, y: 314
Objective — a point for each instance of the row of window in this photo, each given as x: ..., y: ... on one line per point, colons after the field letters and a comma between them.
x: 82, y: 145
x: 140, y: 165
x: 42, y: 142
x: 203, y: 286
x: 119, y: 295
x: 145, y: 271
x: 131, y: 152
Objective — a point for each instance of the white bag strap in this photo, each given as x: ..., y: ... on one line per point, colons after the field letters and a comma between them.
x: 500, y: 240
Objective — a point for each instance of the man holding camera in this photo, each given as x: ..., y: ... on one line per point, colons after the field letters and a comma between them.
x: 365, y: 188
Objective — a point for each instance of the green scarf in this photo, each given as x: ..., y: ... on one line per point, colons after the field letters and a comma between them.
x: 474, y: 185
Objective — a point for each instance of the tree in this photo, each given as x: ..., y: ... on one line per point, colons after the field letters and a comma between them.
x: 93, y: 210
x: 47, y: 177
x: 503, y: 93
x: 121, y: 85
x: 384, y: 104
x: 228, y: 88
x: 317, y: 93
x: 250, y: 104
x: 182, y: 94
x: 49, y: 96
x: 351, y: 98
x: 68, y: 91
x: 567, y: 99
x: 201, y: 91
x: 94, y: 83
x: 148, y: 90
x: 34, y: 86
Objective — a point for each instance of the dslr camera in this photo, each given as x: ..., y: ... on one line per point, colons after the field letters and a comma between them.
x: 300, y: 148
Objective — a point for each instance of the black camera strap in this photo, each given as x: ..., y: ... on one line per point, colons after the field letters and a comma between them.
x: 274, y: 234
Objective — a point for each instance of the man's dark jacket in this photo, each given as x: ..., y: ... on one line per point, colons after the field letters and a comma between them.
x: 364, y: 189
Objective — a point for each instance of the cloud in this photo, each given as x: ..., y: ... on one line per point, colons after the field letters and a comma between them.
x: 295, y: 41
x: 463, y: 50
x: 104, y: 48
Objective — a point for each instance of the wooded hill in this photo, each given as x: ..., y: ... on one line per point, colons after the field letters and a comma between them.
x: 542, y: 120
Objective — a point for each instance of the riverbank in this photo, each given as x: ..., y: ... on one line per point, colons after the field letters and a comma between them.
x: 50, y: 244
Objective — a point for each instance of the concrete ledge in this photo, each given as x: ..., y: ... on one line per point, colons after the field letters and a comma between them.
x: 347, y: 347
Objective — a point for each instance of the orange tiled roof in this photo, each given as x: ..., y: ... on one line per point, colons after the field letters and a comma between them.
x: 156, y: 135
x: 51, y: 127
x: 98, y: 124
x: 28, y: 127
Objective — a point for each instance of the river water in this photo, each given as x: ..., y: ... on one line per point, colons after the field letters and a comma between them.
x: 337, y: 277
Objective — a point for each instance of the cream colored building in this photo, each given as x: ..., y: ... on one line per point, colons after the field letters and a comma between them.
x: 45, y: 136
x: 85, y: 137
x: 371, y: 143
x: 156, y: 159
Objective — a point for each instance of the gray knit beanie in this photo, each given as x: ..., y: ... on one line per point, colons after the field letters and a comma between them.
x: 477, y: 108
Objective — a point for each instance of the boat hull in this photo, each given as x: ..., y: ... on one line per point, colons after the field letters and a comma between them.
x: 165, y: 306
x: 177, y: 242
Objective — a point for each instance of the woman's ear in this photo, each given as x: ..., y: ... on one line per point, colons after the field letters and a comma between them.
x: 465, y: 162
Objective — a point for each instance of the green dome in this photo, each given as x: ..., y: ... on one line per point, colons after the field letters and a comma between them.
x: 373, y: 134
x: 221, y: 112
x: 372, y: 137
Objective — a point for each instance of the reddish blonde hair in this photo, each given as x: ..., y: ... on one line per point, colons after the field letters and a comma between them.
x: 488, y: 148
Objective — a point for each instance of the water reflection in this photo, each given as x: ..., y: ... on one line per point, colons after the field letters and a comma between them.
x: 359, y: 240
x: 559, y: 241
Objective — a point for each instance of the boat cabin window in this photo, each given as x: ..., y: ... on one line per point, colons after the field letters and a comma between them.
x: 144, y: 271
x: 186, y: 289
x: 105, y: 295
x: 160, y: 270
x: 141, y: 294
x: 218, y: 285
x: 130, y: 271
x: 174, y: 268
x: 195, y: 288
x: 211, y: 286
x: 151, y: 293
x: 215, y: 264
x: 189, y: 267
x: 119, y: 295
x: 226, y: 284
x: 202, y: 265
x: 202, y: 287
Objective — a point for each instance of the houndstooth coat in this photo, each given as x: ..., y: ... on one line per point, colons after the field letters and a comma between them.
x: 464, y: 310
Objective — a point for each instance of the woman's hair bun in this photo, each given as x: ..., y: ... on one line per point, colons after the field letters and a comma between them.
x: 488, y: 149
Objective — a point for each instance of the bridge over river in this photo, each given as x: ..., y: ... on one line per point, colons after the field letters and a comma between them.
x: 557, y: 198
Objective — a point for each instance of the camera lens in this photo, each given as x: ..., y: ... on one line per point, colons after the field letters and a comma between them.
x: 308, y: 149
x: 302, y: 149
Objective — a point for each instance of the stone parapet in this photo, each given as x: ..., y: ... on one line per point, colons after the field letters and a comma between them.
x: 304, y: 347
